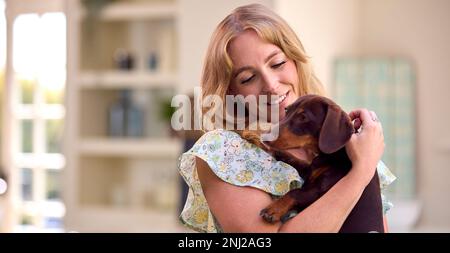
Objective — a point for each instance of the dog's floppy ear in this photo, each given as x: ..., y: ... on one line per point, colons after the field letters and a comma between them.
x: 336, y: 130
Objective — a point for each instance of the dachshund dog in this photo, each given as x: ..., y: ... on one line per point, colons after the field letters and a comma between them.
x: 321, y: 128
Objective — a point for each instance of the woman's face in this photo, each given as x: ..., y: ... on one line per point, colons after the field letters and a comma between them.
x: 261, y: 68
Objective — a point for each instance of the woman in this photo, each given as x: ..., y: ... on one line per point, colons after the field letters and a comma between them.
x: 254, y: 52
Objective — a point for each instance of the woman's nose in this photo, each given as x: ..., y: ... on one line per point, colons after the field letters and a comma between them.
x: 271, y: 83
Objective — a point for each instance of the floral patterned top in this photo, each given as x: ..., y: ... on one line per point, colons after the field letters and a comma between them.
x: 238, y: 162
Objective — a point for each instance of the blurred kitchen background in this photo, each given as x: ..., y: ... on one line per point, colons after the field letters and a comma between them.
x: 86, y: 85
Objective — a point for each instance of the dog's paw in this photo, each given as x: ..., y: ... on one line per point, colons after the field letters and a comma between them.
x: 271, y: 214
x: 278, y: 210
x: 267, y: 216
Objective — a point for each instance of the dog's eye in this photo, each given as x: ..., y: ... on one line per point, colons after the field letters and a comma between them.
x: 286, y: 109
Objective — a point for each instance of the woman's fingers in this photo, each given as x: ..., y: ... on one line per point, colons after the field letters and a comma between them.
x: 374, y: 116
x: 365, y: 148
x: 357, y: 123
x: 361, y: 113
x: 361, y: 117
x: 354, y: 114
x: 376, y: 120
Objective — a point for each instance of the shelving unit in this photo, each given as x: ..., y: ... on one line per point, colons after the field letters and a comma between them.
x: 121, y: 184
x: 137, y: 11
x: 130, y: 148
x: 129, y: 79
x: 114, y: 220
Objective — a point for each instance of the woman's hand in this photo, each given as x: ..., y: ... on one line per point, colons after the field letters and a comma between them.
x: 365, y: 147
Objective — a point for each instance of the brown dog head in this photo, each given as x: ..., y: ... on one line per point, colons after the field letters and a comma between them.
x: 314, y: 123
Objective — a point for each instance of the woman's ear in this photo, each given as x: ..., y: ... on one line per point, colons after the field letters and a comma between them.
x: 336, y: 130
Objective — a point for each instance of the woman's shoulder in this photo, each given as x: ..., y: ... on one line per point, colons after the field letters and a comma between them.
x: 221, y: 142
x: 241, y: 163
x: 217, y: 135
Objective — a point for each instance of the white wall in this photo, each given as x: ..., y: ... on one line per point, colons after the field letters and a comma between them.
x: 420, y: 31
x: 326, y: 28
x: 197, y: 21
x: 415, y: 29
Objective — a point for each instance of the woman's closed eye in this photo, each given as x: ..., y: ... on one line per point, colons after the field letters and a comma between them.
x: 278, y: 65
x: 247, y: 80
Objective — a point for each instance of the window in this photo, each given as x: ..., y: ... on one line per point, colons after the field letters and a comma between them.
x: 385, y: 86
x: 36, y: 95
x: 3, y: 175
x: 2, y: 40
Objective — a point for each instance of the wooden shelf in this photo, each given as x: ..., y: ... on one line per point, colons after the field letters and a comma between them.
x: 110, y: 219
x: 170, y: 148
x: 126, y: 79
x: 126, y: 11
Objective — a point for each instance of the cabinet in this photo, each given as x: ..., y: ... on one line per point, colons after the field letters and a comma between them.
x: 121, y: 183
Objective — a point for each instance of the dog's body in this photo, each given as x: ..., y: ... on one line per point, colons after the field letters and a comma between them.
x: 321, y: 128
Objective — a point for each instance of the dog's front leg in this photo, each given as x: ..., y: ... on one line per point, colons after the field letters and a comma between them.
x: 297, y: 199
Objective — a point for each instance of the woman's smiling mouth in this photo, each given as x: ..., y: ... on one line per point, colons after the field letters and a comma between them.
x: 279, y: 100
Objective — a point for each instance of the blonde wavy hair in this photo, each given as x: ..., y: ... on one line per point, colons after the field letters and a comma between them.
x: 217, y: 68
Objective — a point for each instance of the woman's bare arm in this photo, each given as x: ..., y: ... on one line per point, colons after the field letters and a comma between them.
x: 329, y: 212
x: 386, y: 228
x: 237, y: 208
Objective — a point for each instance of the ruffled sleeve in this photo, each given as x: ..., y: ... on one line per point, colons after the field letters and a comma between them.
x: 237, y: 162
x: 386, y: 178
